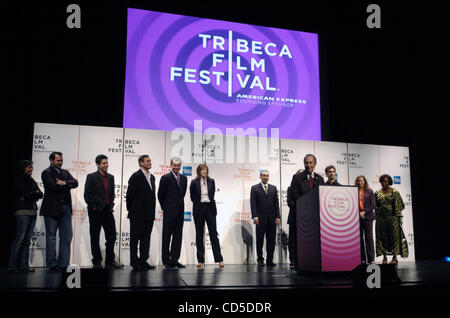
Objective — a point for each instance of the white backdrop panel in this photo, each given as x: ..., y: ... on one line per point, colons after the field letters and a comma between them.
x: 92, y: 142
x: 49, y: 138
x: 233, y: 163
x: 152, y: 143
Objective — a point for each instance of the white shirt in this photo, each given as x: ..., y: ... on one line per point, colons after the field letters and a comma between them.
x: 147, y: 175
x: 311, y: 175
x: 204, y: 191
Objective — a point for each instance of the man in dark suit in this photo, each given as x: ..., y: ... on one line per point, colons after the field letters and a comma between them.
x: 266, y: 215
x: 141, y: 202
x: 306, y: 180
x: 99, y: 196
x: 302, y: 182
x: 171, y: 192
x: 57, y: 211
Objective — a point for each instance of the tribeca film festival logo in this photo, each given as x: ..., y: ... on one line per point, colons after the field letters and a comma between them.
x: 257, y: 48
x: 228, y: 52
x: 338, y: 202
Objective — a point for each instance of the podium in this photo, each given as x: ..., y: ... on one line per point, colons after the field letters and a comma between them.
x: 328, y: 238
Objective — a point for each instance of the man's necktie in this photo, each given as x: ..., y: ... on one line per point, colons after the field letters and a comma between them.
x: 311, y: 182
x: 178, y: 179
x: 265, y: 188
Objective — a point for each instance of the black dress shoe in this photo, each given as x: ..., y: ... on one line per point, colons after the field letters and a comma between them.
x: 270, y: 264
x: 53, y: 269
x: 97, y: 266
x: 260, y: 263
x: 292, y: 264
x: 114, y: 265
x: 136, y: 268
x: 179, y: 265
x: 148, y: 266
x: 27, y: 270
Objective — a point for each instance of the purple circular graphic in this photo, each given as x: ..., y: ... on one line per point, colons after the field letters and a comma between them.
x: 229, y: 75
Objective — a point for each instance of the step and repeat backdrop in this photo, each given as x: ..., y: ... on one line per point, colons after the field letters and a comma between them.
x: 234, y: 162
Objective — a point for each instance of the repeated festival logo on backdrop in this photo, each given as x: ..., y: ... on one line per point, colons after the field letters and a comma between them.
x: 180, y: 69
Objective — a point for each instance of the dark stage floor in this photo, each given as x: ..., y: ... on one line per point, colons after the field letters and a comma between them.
x: 234, y: 287
x: 211, y: 277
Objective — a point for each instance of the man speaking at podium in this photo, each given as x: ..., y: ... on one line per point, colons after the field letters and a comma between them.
x: 302, y: 183
x: 305, y: 181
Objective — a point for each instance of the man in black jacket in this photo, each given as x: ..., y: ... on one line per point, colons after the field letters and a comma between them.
x: 57, y: 211
x: 306, y: 180
x: 141, y: 202
x: 171, y: 192
x: 266, y: 215
x: 99, y: 196
x: 302, y: 182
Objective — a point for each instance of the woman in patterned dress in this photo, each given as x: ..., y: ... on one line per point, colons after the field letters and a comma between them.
x: 390, y: 239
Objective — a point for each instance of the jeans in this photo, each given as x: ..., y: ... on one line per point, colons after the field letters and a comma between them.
x: 64, y: 224
x: 20, y: 249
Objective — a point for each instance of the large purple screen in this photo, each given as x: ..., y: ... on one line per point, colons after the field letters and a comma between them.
x: 182, y: 69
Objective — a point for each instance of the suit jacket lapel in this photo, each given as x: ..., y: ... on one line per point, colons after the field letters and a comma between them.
x: 210, y: 189
x: 144, y: 179
x: 100, y: 179
x: 152, y: 180
x: 198, y: 185
x: 175, y: 179
x: 110, y: 184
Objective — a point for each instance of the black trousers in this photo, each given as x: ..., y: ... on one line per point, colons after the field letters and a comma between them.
x: 172, y: 229
x: 206, y: 214
x: 366, y: 236
x: 97, y: 220
x: 268, y: 230
x: 293, y: 243
x: 140, y: 232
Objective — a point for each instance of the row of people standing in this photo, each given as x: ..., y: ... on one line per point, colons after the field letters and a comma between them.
x: 141, y: 198
x: 385, y: 205
x: 99, y: 194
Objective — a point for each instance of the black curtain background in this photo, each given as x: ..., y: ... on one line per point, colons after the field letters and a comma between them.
x: 380, y: 86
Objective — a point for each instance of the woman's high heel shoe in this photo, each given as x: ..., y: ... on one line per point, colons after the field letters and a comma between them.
x: 394, y: 261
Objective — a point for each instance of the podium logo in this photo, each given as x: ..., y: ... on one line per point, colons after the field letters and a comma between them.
x: 338, y: 203
x: 397, y: 180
